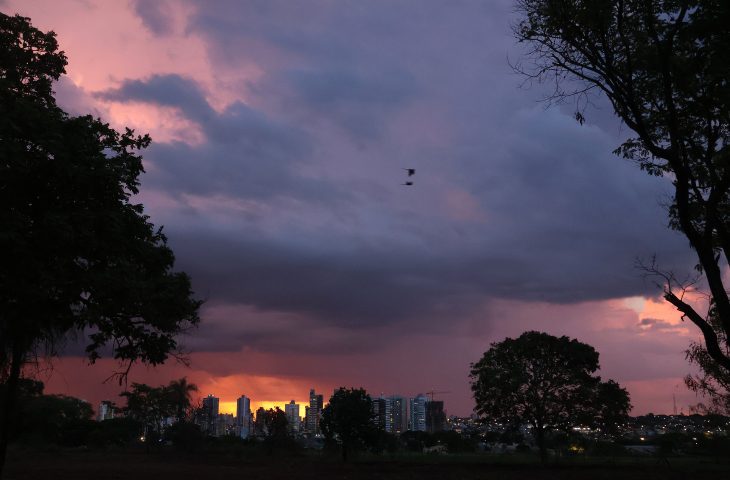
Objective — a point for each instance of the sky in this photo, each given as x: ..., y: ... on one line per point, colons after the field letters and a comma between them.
x: 281, y: 131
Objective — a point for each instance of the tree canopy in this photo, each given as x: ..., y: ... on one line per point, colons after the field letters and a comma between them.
x: 77, y: 254
x: 348, y: 419
x: 664, y: 66
x: 544, y: 381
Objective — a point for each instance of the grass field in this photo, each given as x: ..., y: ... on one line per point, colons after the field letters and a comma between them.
x: 83, y: 465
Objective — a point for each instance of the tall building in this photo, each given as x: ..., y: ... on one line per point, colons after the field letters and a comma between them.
x: 243, y: 416
x: 291, y: 410
x: 417, y: 418
x: 316, y: 402
x: 435, y: 416
x: 396, y: 414
x: 379, y: 412
x: 106, y: 410
x: 210, y: 414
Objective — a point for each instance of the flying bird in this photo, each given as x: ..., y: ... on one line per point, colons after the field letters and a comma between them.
x: 408, y: 184
x: 411, y: 171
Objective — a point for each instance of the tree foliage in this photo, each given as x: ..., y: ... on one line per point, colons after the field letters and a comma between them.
x: 179, y: 395
x: 664, y: 66
x: 276, y: 424
x: 348, y: 419
x: 714, y: 380
x: 77, y: 254
x: 153, y: 406
x: 612, y: 407
x: 544, y: 381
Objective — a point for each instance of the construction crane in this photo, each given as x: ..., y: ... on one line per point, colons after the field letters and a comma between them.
x: 432, y: 392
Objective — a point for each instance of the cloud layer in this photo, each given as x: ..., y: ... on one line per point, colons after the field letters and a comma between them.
x: 277, y: 173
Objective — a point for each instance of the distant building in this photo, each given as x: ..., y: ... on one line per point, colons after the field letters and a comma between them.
x: 291, y: 410
x: 106, y: 410
x: 435, y: 416
x: 417, y: 410
x: 225, y: 424
x: 314, y: 414
x: 396, y: 414
x: 210, y: 414
x: 379, y: 412
x: 243, y: 416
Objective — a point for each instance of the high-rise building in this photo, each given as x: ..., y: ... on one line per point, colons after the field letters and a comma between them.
x: 417, y: 419
x: 243, y: 416
x: 225, y: 424
x: 396, y: 414
x: 291, y: 410
x: 106, y: 410
x: 379, y: 412
x: 435, y: 416
x: 316, y: 402
x: 210, y: 414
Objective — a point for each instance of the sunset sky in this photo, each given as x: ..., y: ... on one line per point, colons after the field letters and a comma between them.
x: 280, y: 133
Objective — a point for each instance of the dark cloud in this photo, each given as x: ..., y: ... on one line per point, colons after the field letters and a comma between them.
x: 356, y: 101
x: 154, y: 15
x: 245, y: 155
x: 168, y: 91
x: 654, y: 324
x: 278, y: 211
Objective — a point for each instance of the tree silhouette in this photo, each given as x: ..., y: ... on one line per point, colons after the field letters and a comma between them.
x: 76, y: 253
x: 348, y: 419
x: 664, y: 66
x: 612, y: 407
x: 179, y: 393
x: 152, y: 406
x: 275, y: 424
x: 149, y: 406
x: 714, y: 380
x: 543, y: 381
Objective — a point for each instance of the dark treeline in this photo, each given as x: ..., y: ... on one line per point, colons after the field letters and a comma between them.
x: 158, y: 420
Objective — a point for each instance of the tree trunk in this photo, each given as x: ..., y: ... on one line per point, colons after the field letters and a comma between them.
x: 8, y: 401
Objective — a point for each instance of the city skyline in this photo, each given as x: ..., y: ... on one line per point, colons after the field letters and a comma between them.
x: 276, y: 169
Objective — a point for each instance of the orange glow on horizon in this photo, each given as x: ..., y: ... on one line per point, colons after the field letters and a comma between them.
x: 230, y: 407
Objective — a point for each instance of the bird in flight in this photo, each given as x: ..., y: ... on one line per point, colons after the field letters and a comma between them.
x: 407, y: 184
x: 411, y: 171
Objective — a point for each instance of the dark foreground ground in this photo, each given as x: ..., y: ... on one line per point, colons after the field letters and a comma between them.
x: 86, y: 465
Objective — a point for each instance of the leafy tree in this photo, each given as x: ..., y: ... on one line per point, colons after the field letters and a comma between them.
x: 348, y: 419
x: 664, y: 66
x: 713, y: 382
x: 151, y: 406
x: 56, y: 419
x: 179, y: 395
x: 275, y: 423
x: 276, y: 430
x: 612, y: 407
x: 540, y: 380
x: 77, y: 254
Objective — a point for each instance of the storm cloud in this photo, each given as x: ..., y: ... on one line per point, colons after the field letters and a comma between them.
x: 511, y: 201
x: 281, y: 131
